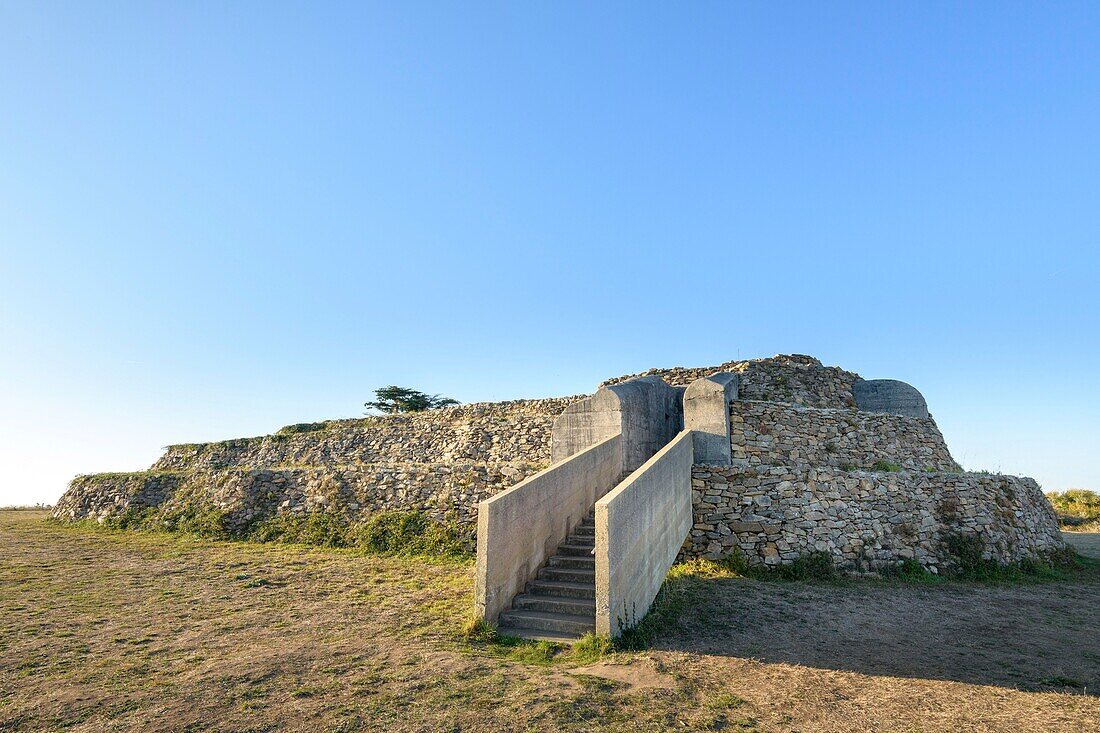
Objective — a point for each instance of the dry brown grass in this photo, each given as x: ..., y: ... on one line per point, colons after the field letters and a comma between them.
x: 103, y: 631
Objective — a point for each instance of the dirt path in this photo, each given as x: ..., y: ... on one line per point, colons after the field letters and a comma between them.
x: 1040, y: 636
x: 133, y: 632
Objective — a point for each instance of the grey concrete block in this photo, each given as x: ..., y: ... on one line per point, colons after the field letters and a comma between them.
x: 640, y: 527
x: 889, y: 395
x: 707, y: 413
x: 646, y: 411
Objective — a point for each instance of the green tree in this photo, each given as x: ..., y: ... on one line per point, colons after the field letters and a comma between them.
x: 394, y: 399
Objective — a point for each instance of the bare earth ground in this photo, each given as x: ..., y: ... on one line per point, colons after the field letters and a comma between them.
x: 103, y: 631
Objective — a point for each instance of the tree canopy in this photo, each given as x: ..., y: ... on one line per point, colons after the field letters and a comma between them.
x: 395, y: 399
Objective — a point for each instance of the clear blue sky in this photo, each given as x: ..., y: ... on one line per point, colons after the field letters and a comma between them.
x: 219, y: 218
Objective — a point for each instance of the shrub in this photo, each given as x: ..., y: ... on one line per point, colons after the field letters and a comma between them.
x: 302, y: 427
x: 396, y: 532
x: 201, y: 521
x: 1076, y: 508
x: 412, y: 533
x: 811, y: 566
x: 885, y: 466
x: 908, y: 570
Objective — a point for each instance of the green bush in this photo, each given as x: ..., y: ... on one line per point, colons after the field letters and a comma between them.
x: 201, y: 521
x: 411, y: 533
x: 908, y: 570
x: 302, y: 427
x: 885, y: 466
x: 1077, y: 508
x: 811, y: 566
x: 394, y: 532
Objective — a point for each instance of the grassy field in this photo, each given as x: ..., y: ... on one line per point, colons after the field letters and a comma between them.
x: 113, y: 631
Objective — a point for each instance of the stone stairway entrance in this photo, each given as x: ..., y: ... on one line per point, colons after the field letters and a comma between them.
x: 560, y: 604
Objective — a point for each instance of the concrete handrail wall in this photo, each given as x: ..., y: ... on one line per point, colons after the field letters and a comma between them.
x: 520, y: 528
x: 640, y: 527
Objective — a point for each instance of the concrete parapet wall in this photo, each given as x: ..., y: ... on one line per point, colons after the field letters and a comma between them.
x: 707, y: 414
x: 640, y: 527
x: 774, y: 514
x: 774, y: 433
x: 646, y: 412
x: 519, y: 529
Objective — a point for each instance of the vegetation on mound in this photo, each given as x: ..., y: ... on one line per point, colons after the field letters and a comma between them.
x: 393, y: 399
x: 301, y: 427
x: 1078, y: 509
x: 389, y: 532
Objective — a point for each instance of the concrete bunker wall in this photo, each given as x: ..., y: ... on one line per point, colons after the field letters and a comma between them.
x: 646, y: 412
x: 707, y: 414
x: 889, y: 395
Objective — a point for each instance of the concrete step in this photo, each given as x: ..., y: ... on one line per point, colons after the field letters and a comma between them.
x: 559, y: 623
x: 586, y: 530
x: 555, y: 604
x: 537, y: 635
x: 568, y: 575
x: 562, y: 589
x: 572, y: 561
x: 575, y: 550
x: 581, y: 539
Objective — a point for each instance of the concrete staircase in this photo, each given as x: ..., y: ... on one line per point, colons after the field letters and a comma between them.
x: 560, y: 604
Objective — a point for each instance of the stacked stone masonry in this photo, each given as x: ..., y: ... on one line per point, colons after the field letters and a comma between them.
x: 445, y: 491
x: 799, y: 481
x: 774, y: 514
x: 793, y: 379
x: 486, y: 432
x: 773, y: 433
x: 442, y: 462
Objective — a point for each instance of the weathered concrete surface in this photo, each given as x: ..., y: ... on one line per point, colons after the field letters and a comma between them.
x: 518, y: 529
x: 645, y: 411
x: 707, y: 413
x: 889, y: 395
x: 640, y: 527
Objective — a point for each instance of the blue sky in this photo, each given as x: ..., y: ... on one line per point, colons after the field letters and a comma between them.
x: 217, y: 219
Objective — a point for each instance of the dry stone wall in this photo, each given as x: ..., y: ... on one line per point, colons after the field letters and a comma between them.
x: 790, y: 378
x: 773, y: 433
x: 487, y: 432
x: 774, y: 514
x: 442, y: 462
x: 445, y: 491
